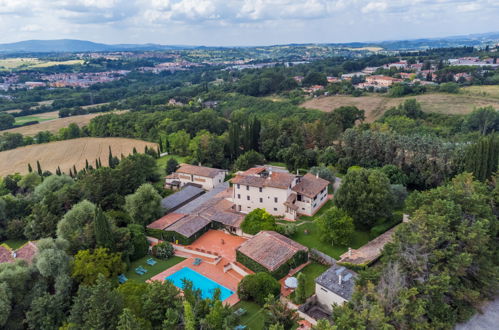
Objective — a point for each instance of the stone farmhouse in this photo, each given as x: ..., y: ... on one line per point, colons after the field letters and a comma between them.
x: 278, y: 192
x: 206, y: 177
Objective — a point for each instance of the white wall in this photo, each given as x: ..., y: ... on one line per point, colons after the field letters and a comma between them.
x: 263, y: 200
x: 327, y: 298
x: 205, y: 182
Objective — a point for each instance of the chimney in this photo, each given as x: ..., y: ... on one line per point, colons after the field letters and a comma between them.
x: 339, y: 279
x: 349, y: 251
x: 199, y: 164
x: 317, y: 175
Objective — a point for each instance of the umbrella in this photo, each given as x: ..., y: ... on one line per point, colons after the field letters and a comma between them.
x: 291, y: 282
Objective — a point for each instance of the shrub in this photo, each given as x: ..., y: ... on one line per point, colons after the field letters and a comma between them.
x: 257, y: 287
x: 163, y: 250
x: 258, y: 220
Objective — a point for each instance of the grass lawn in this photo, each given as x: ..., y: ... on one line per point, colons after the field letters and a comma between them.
x: 311, y: 272
x: 15, y: 244
x: 277, y: 164
x: 323, y: 209
x: 162, y: 265
x: 25, y: 119
x: 312, y: 240
x: 254, y: 318
x: 161, y: 162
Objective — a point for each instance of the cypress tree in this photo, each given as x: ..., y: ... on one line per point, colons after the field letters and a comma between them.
x: 134, y: 150
x: 58, y: 171
x: 75, y: 172
x: 146, y: 150
x: 160, y: 144
x: 86, y: 164
x: 482, y: 157
x: 71, y: 173
x: 102, y: 230
x: 30, y: 169
x: 110, y: 158
x: 39, y: 168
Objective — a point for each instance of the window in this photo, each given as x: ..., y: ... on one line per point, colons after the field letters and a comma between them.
x: 275, y: 199
x: 299, y: 198
x: 260, y: 189
x: 275, y: 208
x: 238, y: 186
x: 247, y: 197
x: 247, y: 187
x: 261, y: 200
x: 238, y: 196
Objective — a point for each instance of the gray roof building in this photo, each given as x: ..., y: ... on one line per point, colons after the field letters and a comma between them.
x: 339, y: 280
x: 182, y: 197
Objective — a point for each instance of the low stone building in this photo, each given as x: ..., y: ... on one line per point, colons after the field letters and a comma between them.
x: 335, y: 286
x: 206, y: 177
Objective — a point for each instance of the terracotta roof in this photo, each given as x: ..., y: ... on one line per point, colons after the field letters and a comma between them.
x: 199, y: 170
x: 27, y: 251
x: 290, y: 202
x: 5, y: 254
x: 382, y: 78
x: 280, y: 180
x: 166, y: 221
x: 310, y: 185
x: 270, y: 249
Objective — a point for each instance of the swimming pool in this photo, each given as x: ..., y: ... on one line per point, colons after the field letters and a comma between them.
x: 199, y: 281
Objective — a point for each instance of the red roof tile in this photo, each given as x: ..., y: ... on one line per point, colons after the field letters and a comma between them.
x: 166, y: 221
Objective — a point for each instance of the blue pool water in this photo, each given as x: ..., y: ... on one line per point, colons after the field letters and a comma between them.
x: 199, y: 281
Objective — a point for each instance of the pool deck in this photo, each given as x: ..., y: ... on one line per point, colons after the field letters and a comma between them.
x: 211, y: 241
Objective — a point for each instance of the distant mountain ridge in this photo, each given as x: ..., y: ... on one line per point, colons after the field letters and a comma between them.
x: 72, y: 45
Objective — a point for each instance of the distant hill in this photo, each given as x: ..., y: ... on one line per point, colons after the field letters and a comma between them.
x: 70, y: 45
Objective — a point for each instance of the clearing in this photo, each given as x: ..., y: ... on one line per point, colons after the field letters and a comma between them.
x: 38, y: 117
x: 159, y: 267
x: 54, y: 125
x: 67, y: 154
x: 375, y: 105
x: 30, y: 62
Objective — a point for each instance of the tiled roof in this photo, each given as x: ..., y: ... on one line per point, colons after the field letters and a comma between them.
x: 310, y: 185
x: 189, y: 225
x: 5, y: 254
x: 270, y: 249
x: 166, y: 221
x: 27, y: 251
x: 330, y: 279
x: 199, y: 170
x: 181, y: 197
x: 275, y: 179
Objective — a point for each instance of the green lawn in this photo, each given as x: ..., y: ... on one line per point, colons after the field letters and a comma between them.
x: 323, y: 209
x: 161, y: 162
x: 15, y: 244
x: 162, y: 265
x: 25, y: 119
x: 277, y: 164
x: 311, y: 272
x: 254, y: 318
x: 312, y: 240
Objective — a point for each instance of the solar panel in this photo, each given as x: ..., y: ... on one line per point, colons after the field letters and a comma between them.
x: 340, y: 270
x: 347, y: 277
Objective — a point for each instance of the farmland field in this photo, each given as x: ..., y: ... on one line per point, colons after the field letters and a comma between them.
x: 375, y: 105
x: 67, y: 153
x: 54, y: 125
x: 29, y: 62
x: 39, y: 117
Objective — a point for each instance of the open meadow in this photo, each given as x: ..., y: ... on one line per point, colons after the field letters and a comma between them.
x: 375, y: 105
x: 67, y: 154
x: 54, y: 124
x: 30, y: 62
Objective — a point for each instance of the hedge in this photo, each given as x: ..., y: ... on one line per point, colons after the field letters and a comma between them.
x: 299, y: 258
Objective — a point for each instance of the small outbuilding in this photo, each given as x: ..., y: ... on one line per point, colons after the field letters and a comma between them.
x: 335, y: 286
x: 177, y: 200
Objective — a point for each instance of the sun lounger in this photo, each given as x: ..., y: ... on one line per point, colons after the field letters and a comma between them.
x: 240, y: 327
x: 240, y: 312
x: 197, y: 261
x: 122, y: 279
x: 151, y: 262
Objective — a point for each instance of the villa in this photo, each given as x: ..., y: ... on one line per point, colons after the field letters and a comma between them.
x: 206, y: 177
x: 278, y: 192
x: 271, y: 252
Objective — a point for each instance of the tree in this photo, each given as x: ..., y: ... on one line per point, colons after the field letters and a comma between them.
x: 30, y: 181
x: 324, y: 173
x: 144, y: 205
x: 96, y: 307
x: 300, y: 294
x: 277, y: 312
x: 163, y: 250
x: 257, y: 287
x: 314, y: 78
x: 179, y: 142
x: 189, y: 318
x: 89, y: 265
x: 171, y: 165
x: 6, y: 121
x: 395, y: 174
x: 103, y: 232
x: 39, y: 168
x: 77, y: 226
x: 258, y: 220
x: 482, y: 157
x: 52, y: 184
x: 139, y: 241
x: 345, y: 117
x: 484, y: 120
x: 249, y: 159
x: 365, y: 195
x: 128, y: 321
x: 336, y: 227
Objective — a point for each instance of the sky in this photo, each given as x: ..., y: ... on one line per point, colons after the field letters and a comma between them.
x: 243, y: 22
